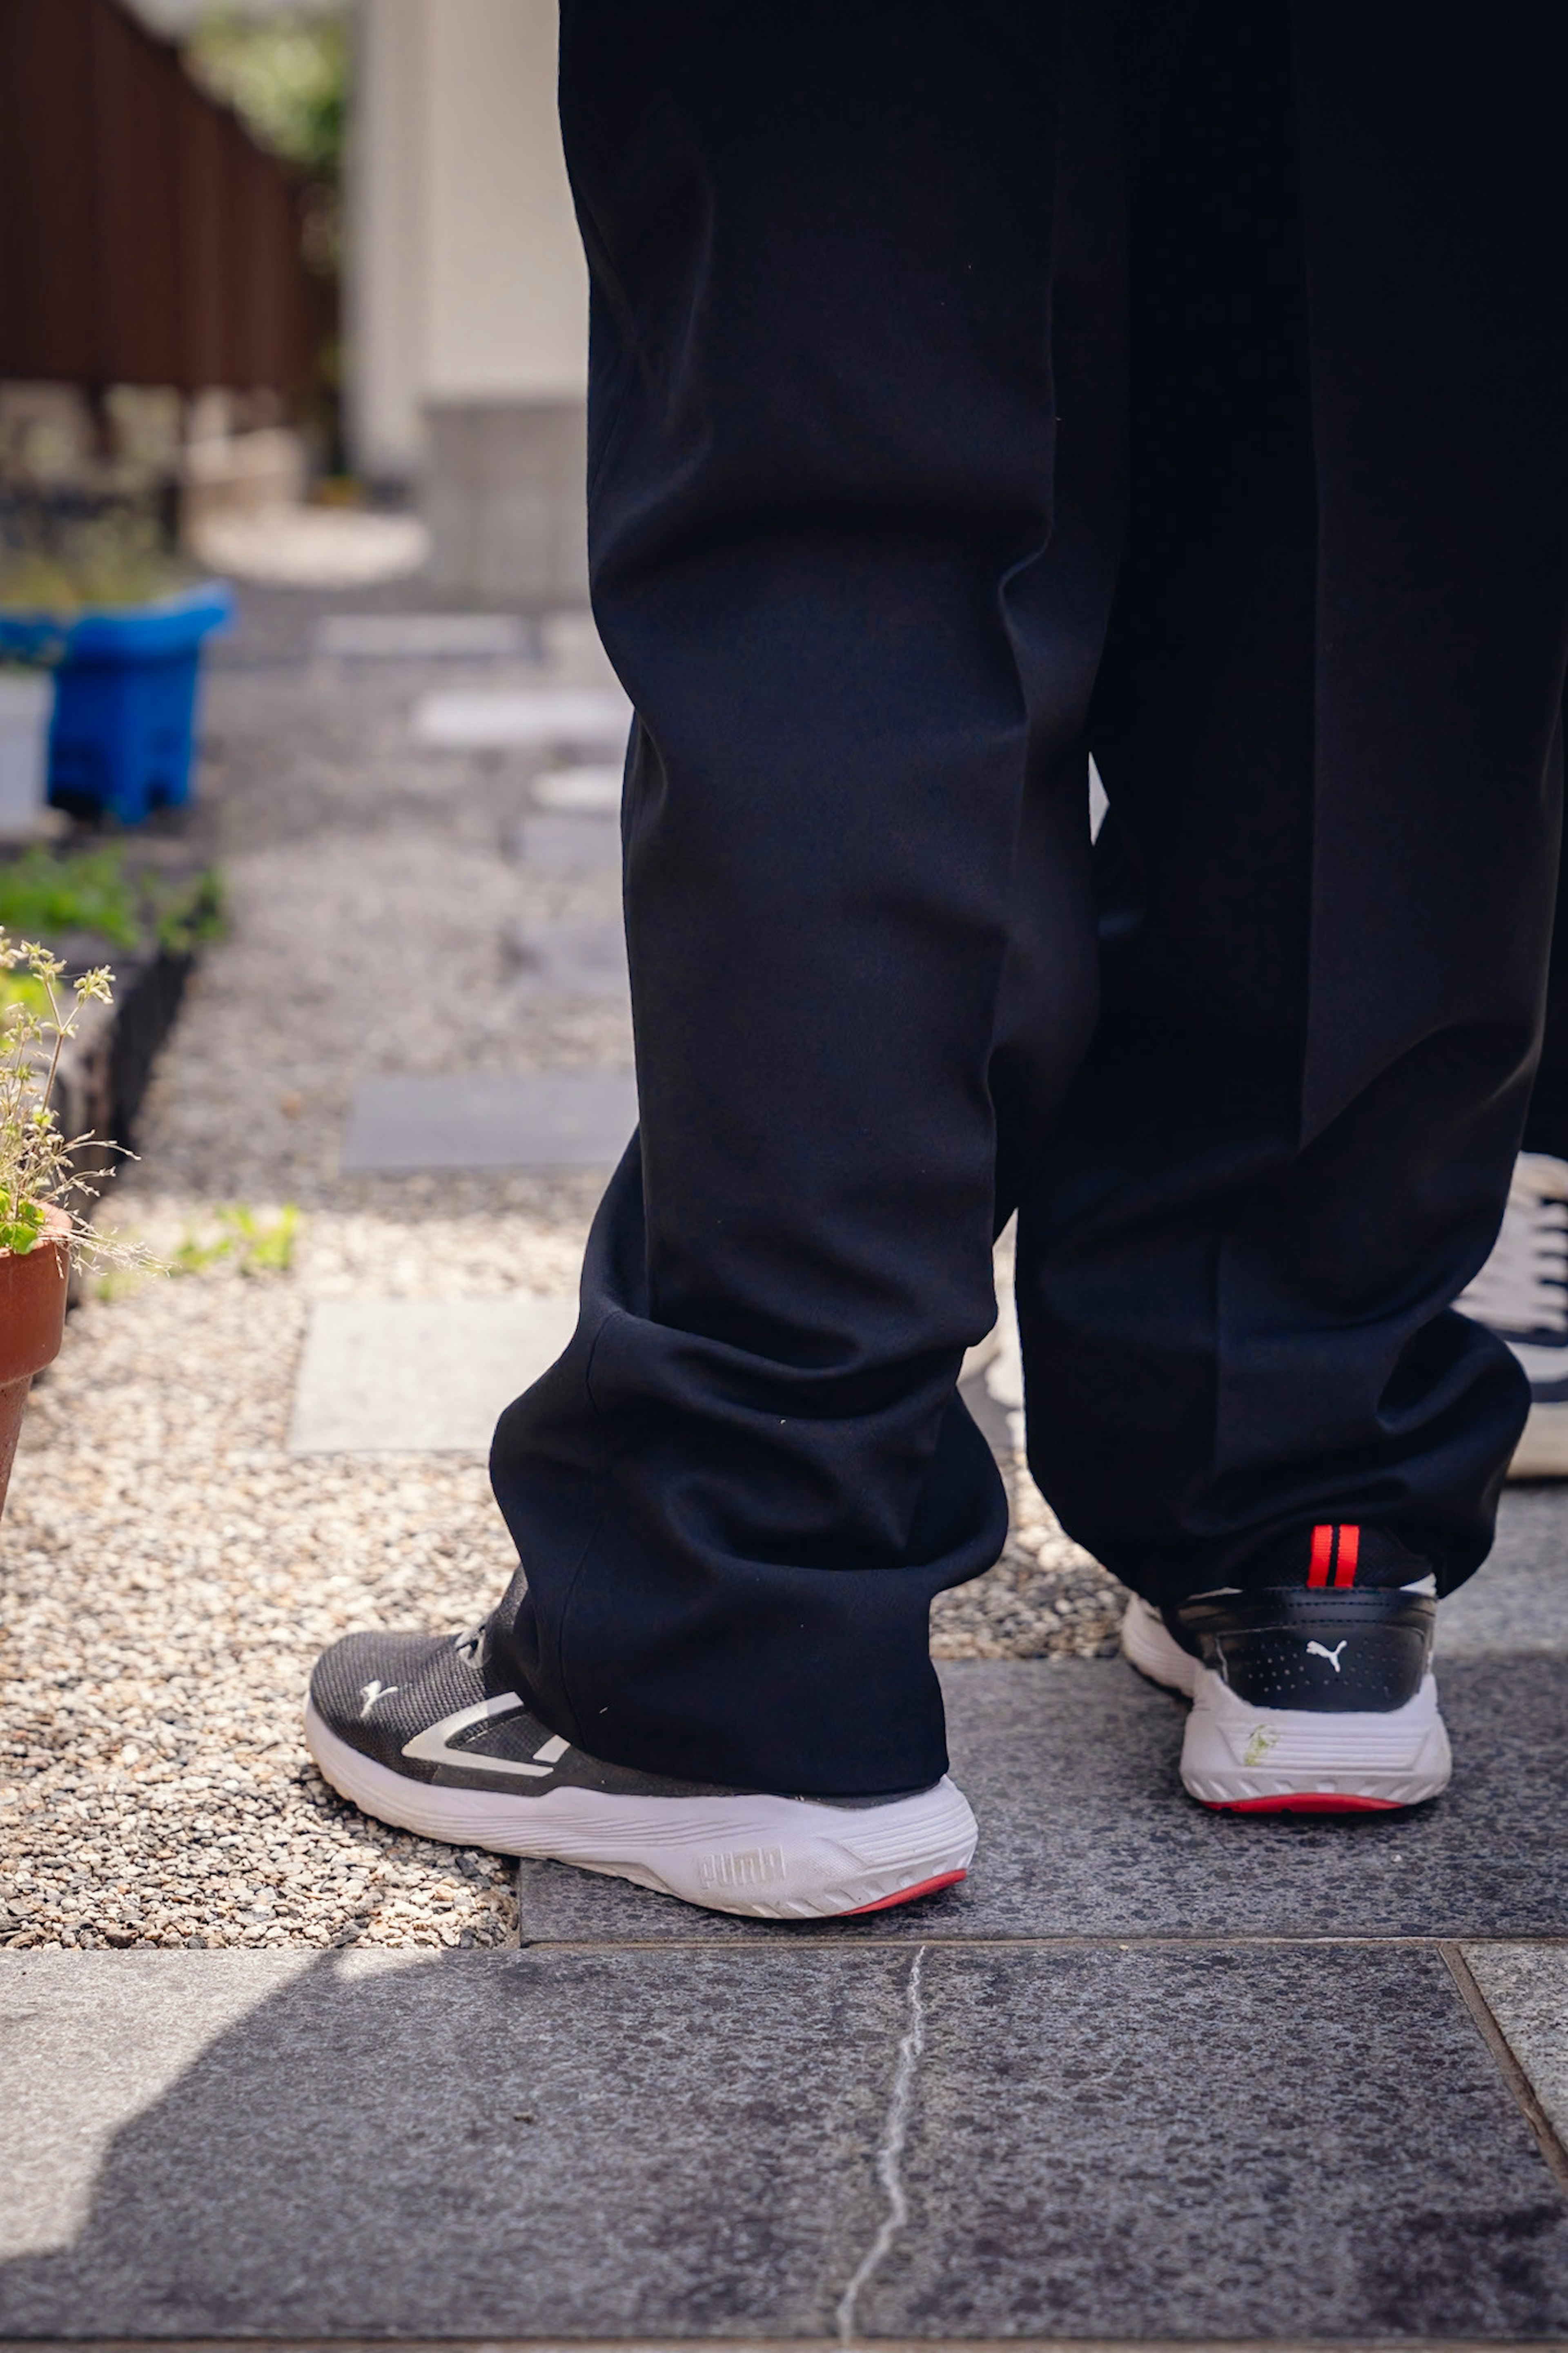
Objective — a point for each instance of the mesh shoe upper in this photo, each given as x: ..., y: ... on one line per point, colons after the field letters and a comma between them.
x: 429, y: 1705
x: 434, y: 1706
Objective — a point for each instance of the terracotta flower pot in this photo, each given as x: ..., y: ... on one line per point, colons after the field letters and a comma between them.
x: 32, y: 1326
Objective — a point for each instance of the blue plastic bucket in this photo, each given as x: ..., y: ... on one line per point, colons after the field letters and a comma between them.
x: 125, y: 698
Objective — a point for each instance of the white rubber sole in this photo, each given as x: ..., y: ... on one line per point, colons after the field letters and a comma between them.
x: 1290, y: 1760
x: 766, y: 1858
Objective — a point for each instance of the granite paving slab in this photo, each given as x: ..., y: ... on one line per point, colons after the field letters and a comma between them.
x: 567, y: 841
x: 1517, y: 1600
x: 1070, y: 1766
x: 539, y: 1119
x: 1526, y: 1989
x: 587, y: 790
x: 1306, y: 2144
x: 315, y: 2146
x: 526, y: 718
x: 423, y: 637
x: 1258, y: 2143
x: 574, y: 959
x: 426, y: 1376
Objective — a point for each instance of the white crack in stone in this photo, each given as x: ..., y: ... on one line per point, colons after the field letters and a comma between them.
x: 889, y: 2154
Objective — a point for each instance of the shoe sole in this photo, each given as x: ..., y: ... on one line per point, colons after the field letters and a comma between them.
x: 764, y: 1858
x: 1243, y: 1759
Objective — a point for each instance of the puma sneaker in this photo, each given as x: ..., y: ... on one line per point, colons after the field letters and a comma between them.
x: 420, y: 1731
x: 1521, y: 1294
x: 1312, y: 1696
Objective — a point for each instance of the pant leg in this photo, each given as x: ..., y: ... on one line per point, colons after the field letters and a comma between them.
x: 1325, y: 722
x: 822, y: 243
x: 1546, y: 1123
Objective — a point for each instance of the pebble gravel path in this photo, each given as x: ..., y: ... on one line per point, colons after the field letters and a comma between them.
x: 168, y: 1570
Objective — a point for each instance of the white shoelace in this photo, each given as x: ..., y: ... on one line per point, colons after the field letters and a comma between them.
x: 1523, y: 1286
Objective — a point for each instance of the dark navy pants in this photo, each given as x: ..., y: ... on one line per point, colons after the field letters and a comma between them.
x: 974, y: 389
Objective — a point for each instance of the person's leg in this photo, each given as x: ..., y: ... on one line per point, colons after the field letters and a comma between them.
x: 1324, y: 722
x: 821, y: 495
x: 856, y: 494
x: 1546, y: 1121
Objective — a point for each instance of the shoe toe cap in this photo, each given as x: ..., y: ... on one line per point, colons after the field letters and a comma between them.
x: 348, y: 1678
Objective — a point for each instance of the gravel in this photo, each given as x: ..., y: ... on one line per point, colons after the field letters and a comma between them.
x: 167, y: 1569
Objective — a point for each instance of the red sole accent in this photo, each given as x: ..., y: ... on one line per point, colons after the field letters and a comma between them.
x: 906, y: 1895
x: 1308, y: 1801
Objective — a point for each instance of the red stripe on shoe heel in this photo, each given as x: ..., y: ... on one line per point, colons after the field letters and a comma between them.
x: 1348, y: 1555
x: 907, y: 1894
x: 1322, y: 1554
x: 1305, y: 1802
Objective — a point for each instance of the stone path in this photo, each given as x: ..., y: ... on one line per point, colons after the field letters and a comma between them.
x: 267, y: 2073
x: 1150, y: 2075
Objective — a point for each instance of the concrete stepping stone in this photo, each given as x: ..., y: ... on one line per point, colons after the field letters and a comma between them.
x: 528, y: 718
x: 424, y: 1376
x: 540, y: 1119
x: 585, y: 789
x: 1526, y: 1988
x: 569, y: 959
x: 1070, y: 1766
x: 1184, y: 2143
x: 423, y: 637
x: 1518, y: 1601
x: 561, y: 841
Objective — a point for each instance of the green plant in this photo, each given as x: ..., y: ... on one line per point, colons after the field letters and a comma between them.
x: 115, y: 558
x: 86, y: 891
x: 286, y: 74
x: 35, y: 1159
x: 193, y: 914
x: 257, y: 1245
x: 49, y: 897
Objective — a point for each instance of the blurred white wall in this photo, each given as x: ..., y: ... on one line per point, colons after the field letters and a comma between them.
x: 385, y: 262
x: 466, y: 291
x: 508, y: 286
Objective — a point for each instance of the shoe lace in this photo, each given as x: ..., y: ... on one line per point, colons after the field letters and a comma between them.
x: 469, y: 1646
x: 1523, y: 1286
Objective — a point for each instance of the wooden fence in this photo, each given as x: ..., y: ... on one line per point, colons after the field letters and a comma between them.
x: 144, y: 236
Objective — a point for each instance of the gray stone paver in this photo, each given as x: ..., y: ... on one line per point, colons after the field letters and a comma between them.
x: 540, y: 1119
x: 1070, y: 1766
x: 1098, y: 2144
x: 571, y: 959
x: 1518, y: 1601
x: 564, y: 841
x: 355, y: 2147
x: 420, y: 1375
x: 1244, y: 2143
x: 1526, y: 1989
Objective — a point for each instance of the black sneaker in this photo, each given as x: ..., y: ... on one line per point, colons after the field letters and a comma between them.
x: 1521, y: 1294
x: 1311, y: 1697
x: 418, y: 1730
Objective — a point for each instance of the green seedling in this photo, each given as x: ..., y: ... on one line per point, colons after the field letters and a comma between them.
x: 42, y: 896
x: 256, y: 1245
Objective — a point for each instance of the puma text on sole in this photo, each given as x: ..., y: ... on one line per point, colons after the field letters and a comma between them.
x: 767, y: 1858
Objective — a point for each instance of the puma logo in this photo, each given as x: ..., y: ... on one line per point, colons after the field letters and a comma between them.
x: 369, y: 1692
x: 752, y: 1867
x: 1316, y: 1650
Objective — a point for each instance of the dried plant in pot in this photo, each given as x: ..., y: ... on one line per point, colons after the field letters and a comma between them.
x: 38, y: 1226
